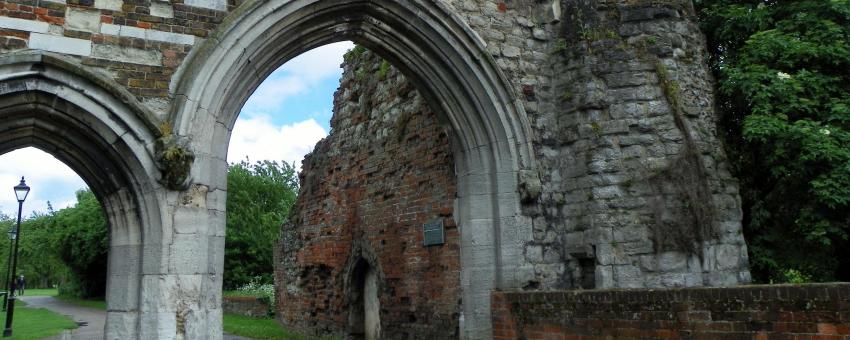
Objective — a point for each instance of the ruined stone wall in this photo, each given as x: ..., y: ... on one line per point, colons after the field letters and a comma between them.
x: 630, y: 186
x: 634, y: 186
x: 366, y: 190
x: 627, y: 187
x: 639, y: 195
x: 814, y: 311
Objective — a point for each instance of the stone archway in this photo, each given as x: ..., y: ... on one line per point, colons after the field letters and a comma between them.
x: 98, y: 130
x: 449, y: 66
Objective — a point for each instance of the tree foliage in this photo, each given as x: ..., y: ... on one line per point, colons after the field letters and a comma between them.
x: 783, y: 70
x: 81, y: 240
x: 259, y: 198
x: 69, y: 247
x: 66, y: 248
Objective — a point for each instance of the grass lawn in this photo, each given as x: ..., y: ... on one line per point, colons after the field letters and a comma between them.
x: 31, y: 323
x: 96, y: 304
x: 41, y: 292
x: 257, y: 328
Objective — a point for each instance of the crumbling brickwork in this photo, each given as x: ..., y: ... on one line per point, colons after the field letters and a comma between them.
x: 816, y: 311
x: 366, y: 190
x: 585, y: 137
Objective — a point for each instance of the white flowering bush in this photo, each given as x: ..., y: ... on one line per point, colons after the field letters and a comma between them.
x: 264, y: 291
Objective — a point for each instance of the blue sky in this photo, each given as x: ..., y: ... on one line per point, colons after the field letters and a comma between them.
x: 282, y: 120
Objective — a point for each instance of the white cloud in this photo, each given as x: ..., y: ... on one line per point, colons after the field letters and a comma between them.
x: 297, y: 76
x: 50, y: 180
x: 274, y: 90
x: 318, y: 63
x: 258, y: 138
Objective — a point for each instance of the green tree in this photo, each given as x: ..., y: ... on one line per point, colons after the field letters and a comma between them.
x: 81, y: 239
x: 259, y: 198
x: 783, y: 71
x: 37, y: 259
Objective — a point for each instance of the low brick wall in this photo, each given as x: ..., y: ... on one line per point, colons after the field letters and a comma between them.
x: 811, y: 311
x: 245, y: 305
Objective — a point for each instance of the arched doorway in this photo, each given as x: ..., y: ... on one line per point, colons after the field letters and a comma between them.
x: 98, y: 131
x: 364, y: 319
x: 449, y: 66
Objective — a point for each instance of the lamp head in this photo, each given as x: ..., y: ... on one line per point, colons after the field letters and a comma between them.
x: 22, y: 190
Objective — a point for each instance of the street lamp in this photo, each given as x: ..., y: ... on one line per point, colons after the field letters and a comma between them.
x: 21, y: 191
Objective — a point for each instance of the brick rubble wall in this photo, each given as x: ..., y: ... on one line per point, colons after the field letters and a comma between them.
x: 385, y: 169
x: 244, y: 305
x: 810, y: 311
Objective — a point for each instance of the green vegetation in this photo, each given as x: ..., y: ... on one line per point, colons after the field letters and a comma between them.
x: 257, y: 328
x: 89, y: 303
x: 42, y: 292
x: 258, y: 200
x: 82, y: 242
x: 65, y: 248
x: 384, y: 69
x: 32, y: 323
x: 68, y: 248
x: 255, y: 288
x: 783, y: 70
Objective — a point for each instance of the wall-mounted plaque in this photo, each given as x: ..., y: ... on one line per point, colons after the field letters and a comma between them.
x: 433, y: 232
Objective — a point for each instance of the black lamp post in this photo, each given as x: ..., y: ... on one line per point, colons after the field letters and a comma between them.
x: 21, y: 191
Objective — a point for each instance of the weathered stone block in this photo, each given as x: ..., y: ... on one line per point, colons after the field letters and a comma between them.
x: 127, y: 54
x: 82, y: 20
x: 58, y: 44
x: 24, y: 25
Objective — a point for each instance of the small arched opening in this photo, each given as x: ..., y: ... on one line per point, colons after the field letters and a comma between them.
x: 364, y: 312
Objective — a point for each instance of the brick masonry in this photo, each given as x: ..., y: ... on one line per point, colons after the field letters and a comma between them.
x: 630, y: 187
x: 366, y: 190
x: 813, y: 311
x: 624, y: 183
x: 138, y: 43
x: 245, y: 305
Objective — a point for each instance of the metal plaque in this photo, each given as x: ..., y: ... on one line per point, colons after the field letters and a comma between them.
x: 433, y: 232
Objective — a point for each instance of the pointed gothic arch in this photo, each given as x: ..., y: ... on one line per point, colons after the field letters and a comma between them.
x: 99, y: 131
x: 441, y: 55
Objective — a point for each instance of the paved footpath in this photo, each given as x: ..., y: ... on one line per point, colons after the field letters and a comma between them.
x: 91, y: 320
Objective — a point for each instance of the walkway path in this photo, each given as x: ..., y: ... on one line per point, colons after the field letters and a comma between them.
x: 91, y: 320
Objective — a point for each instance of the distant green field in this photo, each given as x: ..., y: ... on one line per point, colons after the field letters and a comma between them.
x: 31, y: 323
x: 41, y: 292
x: 257, y: 328
x: 254, y: 328
x: 96, y: 304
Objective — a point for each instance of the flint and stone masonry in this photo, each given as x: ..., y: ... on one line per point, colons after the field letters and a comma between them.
x: 572, y: 145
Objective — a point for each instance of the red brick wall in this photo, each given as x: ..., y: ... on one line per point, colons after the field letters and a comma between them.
x: 812, y: 311
x: 366, y: 190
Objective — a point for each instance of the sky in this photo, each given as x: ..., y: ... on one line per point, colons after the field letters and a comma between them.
x: 282, y: 120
